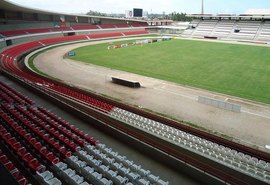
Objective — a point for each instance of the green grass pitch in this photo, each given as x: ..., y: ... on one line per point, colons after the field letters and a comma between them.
x: 238, y: 70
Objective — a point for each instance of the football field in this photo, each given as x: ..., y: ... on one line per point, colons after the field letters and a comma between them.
x: 238, y: 70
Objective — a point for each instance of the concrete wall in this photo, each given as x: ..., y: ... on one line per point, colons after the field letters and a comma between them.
x: 219, y: 104
x: 21, y: 25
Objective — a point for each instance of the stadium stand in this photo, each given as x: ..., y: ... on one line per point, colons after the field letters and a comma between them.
x: 265, y: 32
x: 121, y: 25
x: 107, y: 26
x: 137, y: 32
x: 38, y: 147
x: 228, y: 29
x: 75, y: 27
x: 8, y: 165
x: 21, y: 116
x: 103, y: 35
x: 46, y: 146
x: 139, y: 24
x: 223, y: 29
x: 84, y: 27
x: 246, y: 30
x: 193, y: 24
x: 204, y: 28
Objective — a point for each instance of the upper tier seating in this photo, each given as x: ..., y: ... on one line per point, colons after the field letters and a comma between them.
x: 107, y: 26
x: 72, y: 28
x: 139, y: 24
x: 84, y: 27
x: 103, y: 35
x: 121, y: 25
x: 33, y: 31
x: 63, y: 39
x: 137, y: 32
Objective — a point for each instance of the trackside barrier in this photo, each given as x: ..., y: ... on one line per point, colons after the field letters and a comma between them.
x: 219, y: 104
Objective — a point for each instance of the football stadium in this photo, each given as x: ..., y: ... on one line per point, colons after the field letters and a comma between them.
x: 103, y: 100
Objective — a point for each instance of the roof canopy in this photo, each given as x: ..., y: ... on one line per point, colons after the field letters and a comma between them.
x: 10, y: 6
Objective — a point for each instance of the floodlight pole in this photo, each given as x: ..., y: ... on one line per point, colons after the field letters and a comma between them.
x: 202, y: 8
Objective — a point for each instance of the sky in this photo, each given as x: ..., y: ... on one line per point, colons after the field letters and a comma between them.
x: 152, y: 6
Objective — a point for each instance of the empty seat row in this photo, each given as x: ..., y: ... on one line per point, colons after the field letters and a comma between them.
x: 41, y: 140
x: 84, y: 98
x: 40, y: 133
x: 16, y: 97
x: 119, y: 163
x: 16, y: 146
x: 61, y: 29
x: 88, y: 172
x: 137, y: 32
x: 64, y: 135
x: 68, y: 175
x: 224, y: 29
x: 201, y: 146
x: 39, y: 148
x: 66, y: 124
x: 8, y: 164
x: 48, y: 178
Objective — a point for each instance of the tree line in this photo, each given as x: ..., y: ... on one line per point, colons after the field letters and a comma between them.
x: 175, y: 16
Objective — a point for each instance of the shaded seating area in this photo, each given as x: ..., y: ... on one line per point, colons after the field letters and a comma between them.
x: 139, y: 25
x: 11, y: 33
x: 38, y: 147
x: 137, y: 32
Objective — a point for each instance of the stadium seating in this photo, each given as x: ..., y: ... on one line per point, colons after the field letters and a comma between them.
x: 13, y: 170
x: 205, y: 28
x: 121, y: 25
x: 265, y: 32
x: 226, y: 156
x: 139, y: 24
x: 59, y: 144
x: 84, y: 27
x: 247, y: 30
x: 12, y: 33
x: 104, y: 35
x: 137, y: 32
x: 46, y: 145
x: 107, y: 26
x: 225, y: 29
x: 32, y: 31
x: 63, y: 39
x: 193, y: 24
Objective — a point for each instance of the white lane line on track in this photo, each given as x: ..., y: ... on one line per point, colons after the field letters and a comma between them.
x: 255, y: 114
x: 175, y: 93
x: 195, y: 98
